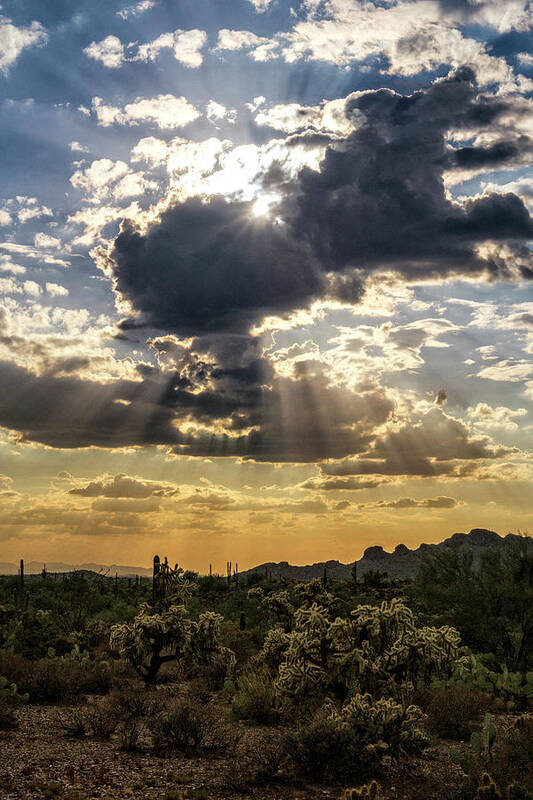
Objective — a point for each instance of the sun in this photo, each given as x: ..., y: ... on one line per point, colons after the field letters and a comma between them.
x: 263, y: 205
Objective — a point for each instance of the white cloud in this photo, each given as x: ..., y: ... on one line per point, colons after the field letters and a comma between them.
x: 8, y: 265
x: 487, y: 418
x: 239, y: 40
x: 24, y: 209
x: 261, y: 5
x: 165, y: 111
x: 99, y: 175
x: 46, y: 241
x: 110, y: 51
x: 95, y: 219
x: 291, y: 117
x: 507, y: 370
x: 14, y: 40
x: 76, y: 147
x: 139, y: 8
x: 412, y: 36
x: 31, y: 288
x: 523, y: 187
x: 10, y: 286
x: 56, y: 290
x: 216, y: 112
x: 33, y: 252
x: 186, y: 46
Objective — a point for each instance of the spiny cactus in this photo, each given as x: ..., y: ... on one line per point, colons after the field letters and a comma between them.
x: 383, y: 726
x: 487, y: 789
x: 156, y: 638
x: 279, y: 609
x: 371, y: 790
x: 379, y: 650
x: 274, y: 648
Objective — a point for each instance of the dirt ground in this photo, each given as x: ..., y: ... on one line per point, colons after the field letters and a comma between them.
x: 38, y: 762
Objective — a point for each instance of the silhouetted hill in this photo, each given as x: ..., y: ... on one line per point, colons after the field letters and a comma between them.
x: 401, y: 563
x: 35, y: 567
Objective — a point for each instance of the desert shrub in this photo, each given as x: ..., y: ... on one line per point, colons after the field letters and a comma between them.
x: 102, y: 717
x: 35, y: 632
x: 57, y: 679
x: 255, y: 759
x: 348, y: 745
x: 9, y: 700
x: 135, y: 709
x: 72, y: 722
x: 243, y: 643
x: 453, y: 711
x: 323, y: 750
x: 256, y: 699
x: 200, y: 690
x: 184, y: 726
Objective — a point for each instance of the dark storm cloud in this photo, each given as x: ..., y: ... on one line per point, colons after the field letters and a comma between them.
x: 292, y: 421
x: 212, y: 266
x: 377, y: 201
x: 495, y: 155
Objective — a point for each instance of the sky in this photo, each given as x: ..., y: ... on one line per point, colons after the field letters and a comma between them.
x: 265, y: 277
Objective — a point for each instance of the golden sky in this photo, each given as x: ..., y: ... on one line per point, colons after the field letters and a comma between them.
x: 265, y: 278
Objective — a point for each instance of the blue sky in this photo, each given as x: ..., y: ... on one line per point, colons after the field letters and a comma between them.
x: 265, y: 272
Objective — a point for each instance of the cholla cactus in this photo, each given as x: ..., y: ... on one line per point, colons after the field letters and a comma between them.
x: 313, y: 592
x: 279, y: 608
x: 384, y: 726
x: 274, y: 648
x: 379, y: 650
x: 206, y: 641
x: 153, y: 639
x: 156, y: 638
x: 372, y: 791
x: 256, y: 593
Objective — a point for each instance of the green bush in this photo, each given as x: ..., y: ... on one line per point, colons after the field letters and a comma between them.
x: 135, y: 709
x: 453, y: 711
x: 185, y: 726
x: 256, y: 699
x: 57, y: 679
x: 255, y: 759
x: 323, y: 750
x: 348, y: 745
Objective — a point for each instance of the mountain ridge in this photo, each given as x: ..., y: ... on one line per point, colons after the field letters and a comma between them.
x: 402, y: 562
